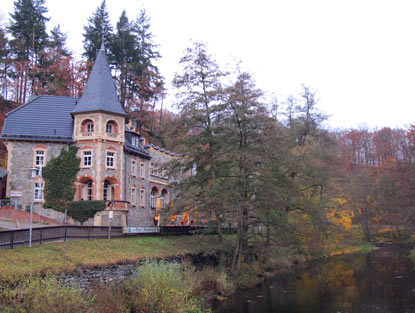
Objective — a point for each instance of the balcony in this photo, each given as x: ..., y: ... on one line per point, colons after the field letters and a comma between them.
x: 112, y: 135
x: 87, y: 134
x: 117, y: 205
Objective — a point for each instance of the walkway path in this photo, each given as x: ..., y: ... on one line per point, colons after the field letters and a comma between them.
x: 11, y: 218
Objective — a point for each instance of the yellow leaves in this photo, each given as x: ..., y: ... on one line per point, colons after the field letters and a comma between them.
x: 340, y: 201
x: 340, y: 217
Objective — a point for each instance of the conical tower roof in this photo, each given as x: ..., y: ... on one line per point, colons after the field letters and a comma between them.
x: 100, y: 93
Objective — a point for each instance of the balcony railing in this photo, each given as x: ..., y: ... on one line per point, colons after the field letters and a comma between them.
x: 112, y: 135
x: 87, y: 134
x: 117, y: 205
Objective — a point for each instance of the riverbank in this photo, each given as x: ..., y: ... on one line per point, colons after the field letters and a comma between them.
x: 78, y: 255
x: 101, y: 272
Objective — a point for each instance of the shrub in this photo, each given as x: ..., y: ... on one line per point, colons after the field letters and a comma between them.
x: 44, y: 295
x: 214, y: 281
x: 83, y: 210
x: 162, y: 287
x: 248, y: 275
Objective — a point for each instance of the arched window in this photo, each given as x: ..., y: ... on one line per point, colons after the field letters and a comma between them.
x: 110, y: 190
x: 86, y: 188
x: 106, y: 184
x: 164, y: 198
x: 90, y: 127
x: 90, y: 191
x: 153, y: 198
x: 111, y: 127
x: 87, y: 127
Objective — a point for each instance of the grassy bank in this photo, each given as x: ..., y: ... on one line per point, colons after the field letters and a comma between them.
x: 66, y: 257
x: 156, y: 287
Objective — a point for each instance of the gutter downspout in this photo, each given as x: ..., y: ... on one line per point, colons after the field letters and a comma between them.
x: 125, y: 183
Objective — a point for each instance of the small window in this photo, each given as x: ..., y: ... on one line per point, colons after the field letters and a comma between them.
x: 164, y: 199
x: 133, y: 196
x: 153, y: 198
x: 40, y: 158
x: 154, y: 169
x: 110, y: 159
x: 151, y: 168
x: 142, y: 197
x: 38, y: 191
x: 87, y: 127
x: 90, y: 127
x: 136, y: 141
x: 133, y: 169
x: 109, y: 128
x: 142, y: 169
x: 87, y: 158
x: 89, y: 190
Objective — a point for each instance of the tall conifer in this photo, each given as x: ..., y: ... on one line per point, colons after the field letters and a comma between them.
x: 98, y: 26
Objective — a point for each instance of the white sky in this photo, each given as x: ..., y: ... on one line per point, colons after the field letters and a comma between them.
x: 358, y: 54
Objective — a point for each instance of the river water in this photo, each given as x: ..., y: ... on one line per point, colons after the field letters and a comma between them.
x: 381, y: 281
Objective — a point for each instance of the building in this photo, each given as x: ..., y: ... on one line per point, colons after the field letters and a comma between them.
x: 116, y: 164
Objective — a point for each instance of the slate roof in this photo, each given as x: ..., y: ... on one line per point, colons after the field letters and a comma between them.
x: 161, y: 150
x: 100, y: 93
x: 42, y: 118
x: 129, y: 147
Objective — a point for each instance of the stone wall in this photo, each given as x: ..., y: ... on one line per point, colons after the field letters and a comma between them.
x: 21, y: 156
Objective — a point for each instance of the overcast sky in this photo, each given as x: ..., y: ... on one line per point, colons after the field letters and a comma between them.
x: 358, y: 54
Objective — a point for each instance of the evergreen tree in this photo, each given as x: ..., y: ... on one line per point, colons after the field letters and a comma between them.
x: 57, y: 40
x: 28, y: 28
x: 98, y: 27
x: 123, y: 55
x: 147, y: 83
x: 5, y: 63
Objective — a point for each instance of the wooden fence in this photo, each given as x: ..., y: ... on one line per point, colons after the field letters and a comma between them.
x: 20, y: 237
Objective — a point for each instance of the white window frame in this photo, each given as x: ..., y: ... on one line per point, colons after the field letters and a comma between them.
x: 86, y: 158
x: 136, y: 141
x: 41, y: 153
x: 89, y: 127
x: 142, y: 169
x: 151, y: 168
x: 109, y: 127
x: 165, y: 173
x: 133, y: 168
x: 38, y: 196
x: 110, y: 159
x: 153, y: 201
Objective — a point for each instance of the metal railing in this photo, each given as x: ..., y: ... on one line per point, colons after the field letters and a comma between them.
x: 20, y: 237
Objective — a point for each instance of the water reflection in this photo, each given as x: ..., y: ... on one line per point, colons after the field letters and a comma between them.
x: 381, y: 281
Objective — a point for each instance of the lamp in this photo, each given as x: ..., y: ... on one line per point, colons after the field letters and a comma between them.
x: 34, y: 173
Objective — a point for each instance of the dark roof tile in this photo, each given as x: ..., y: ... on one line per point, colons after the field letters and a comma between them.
x: 44, y: 117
